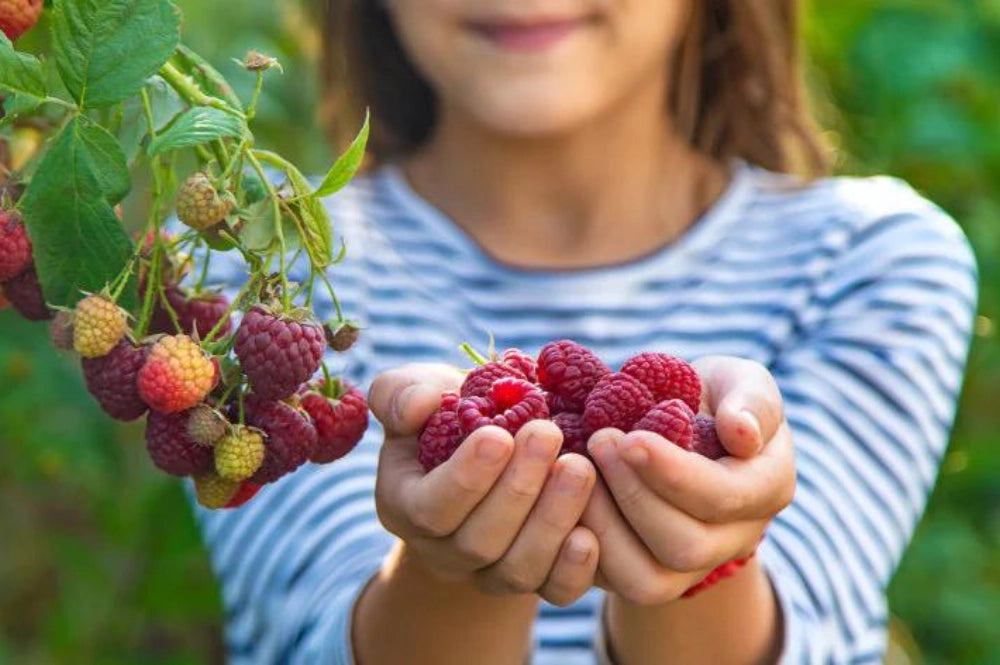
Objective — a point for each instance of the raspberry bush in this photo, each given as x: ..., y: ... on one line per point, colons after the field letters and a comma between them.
x: 118, y: 107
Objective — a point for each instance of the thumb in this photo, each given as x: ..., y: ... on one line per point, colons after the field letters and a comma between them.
x: 403, y: 398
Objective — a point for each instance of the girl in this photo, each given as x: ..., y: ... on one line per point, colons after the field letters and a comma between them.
x: 635, y: 175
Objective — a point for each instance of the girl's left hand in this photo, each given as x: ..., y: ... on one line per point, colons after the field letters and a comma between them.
x: 665, y: 517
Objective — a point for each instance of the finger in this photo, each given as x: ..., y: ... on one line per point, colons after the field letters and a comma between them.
x: 494, y: 524
x: 715, y: 491
x: 402, y: 399
x: 573, y: 573
x: 745, y: 400
x: 437, y: 503
x: 626, y: 566
x: 525, y: 566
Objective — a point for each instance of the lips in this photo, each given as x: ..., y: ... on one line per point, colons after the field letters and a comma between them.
x: 527, y: 35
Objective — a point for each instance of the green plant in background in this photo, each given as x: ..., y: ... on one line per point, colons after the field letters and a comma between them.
x: 101, y: 560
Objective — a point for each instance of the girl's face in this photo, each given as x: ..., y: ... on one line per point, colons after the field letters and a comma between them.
x: 537, y: 67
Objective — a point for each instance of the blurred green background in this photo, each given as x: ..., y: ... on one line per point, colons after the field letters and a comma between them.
x: 100, y: 561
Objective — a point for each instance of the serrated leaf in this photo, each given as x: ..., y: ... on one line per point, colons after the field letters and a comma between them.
x: 79, y: 243
x: 106, y: 49
x: 107, y: 161
x: 194, y: 127
x: 347, y: 164
x: 312, y: 220
x: 21, y: 74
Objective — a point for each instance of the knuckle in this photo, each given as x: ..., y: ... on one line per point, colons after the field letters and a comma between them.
x: 520, y: 490
x: 427, y: 522
x: 474, y: 551
x: 630, y: 498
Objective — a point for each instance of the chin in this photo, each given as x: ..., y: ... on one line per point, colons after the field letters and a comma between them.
x: 532, y: 113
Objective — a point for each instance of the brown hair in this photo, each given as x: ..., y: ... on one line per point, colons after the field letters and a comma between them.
x: 738, y: 88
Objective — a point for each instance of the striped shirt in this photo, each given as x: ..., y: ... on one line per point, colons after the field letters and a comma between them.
x: 857, y: 294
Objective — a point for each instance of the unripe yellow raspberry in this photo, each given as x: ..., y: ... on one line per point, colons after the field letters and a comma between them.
x: 98, y: 326
x: 239, y: 453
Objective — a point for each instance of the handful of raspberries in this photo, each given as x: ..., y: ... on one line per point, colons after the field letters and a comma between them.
x: 574, y: 388
x: 571, y: 386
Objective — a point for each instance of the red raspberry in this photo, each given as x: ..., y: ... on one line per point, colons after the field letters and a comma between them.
x: 618, y: 400
x: 479, y: 381
x: 25, y: 293
x: 521, y: 361
x: 290, y: 437
x: 15, y: 246
x: 340, y: 414
x: 112, y: 380
x: 558, y: 405
x: 568, y: 370
x: 18, y: 16
x: 510, y: 404
x: 706, y: 438
x: 198, y: 312
x: 442, y: 433
x: 667, y: 377
x: 61, y: 330
x: 172, y: 450
x: 278, y: 353
x: 247, y: 491
x: 671, y: 419
x: 575, y: 432
x: 177, y: 375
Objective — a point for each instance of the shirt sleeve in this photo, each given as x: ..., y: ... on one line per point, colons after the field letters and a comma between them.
x: 870, y: 388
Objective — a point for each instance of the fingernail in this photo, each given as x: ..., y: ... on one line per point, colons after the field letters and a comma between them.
x: 401, y: 402
x: 577, y: 553
x: 570, y: 482
x: 490, y: 450
x: 636, y: 455
x: 752, y: 424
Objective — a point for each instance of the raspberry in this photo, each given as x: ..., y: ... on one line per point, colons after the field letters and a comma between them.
x: 171, y: 449
x: 213, y: 491
x: 706, y: 438
x: 278, y: 353
x: 98, y: 326
x: 239, y: 453
x: 671, y: 419
x: 522, y: 362
x: 18, y: 16
x: 341, y: 337
x: 25, y: 293
x: 247, y: 491
x: 340, y: 421
x: 177, y: 375
x: 667, y: 377
x: 510, y: 404
x: 290, y: 437
x: 112, y: 380
x: 478, y: 382
x: 61, y: 331
x: 206, y: 425
x: 568, y: 370
x: 442, y: 433
x: 618, y: 400
x: 15, y: 246
x: 575, y: 432
x: 195, y: 313
x: 199, y: 204
x: 558, y: 405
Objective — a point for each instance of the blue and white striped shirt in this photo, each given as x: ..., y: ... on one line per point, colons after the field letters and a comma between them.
x: 857, y: 294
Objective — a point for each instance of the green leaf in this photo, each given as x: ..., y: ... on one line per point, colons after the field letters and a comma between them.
x: 107, y: 161
x: 311, y: 218
x: 347, y: 164
x: 79, y: 242
x: 106, y: 49
x: 259, y: 228
x: 21, y: 74
x: 194, y: 127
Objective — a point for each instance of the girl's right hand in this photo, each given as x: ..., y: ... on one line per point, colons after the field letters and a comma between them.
x: 501, y: 513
